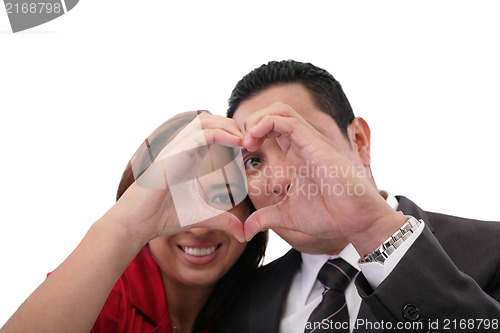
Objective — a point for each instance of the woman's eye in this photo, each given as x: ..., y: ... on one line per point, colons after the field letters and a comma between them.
x: 252, y: 162
x: 222, y: 198
x: 221, y: 201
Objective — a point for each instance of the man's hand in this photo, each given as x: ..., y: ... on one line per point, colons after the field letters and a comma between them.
x: 332, y: 194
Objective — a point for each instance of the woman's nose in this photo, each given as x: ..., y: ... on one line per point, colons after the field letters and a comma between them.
x: 201, y: 232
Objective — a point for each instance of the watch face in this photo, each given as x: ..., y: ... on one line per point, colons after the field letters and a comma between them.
x: 203, y: 179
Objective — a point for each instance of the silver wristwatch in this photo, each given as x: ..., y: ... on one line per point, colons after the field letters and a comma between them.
x: 393, y: 242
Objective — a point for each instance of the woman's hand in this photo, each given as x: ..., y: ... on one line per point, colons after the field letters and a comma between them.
x: 166, y: 198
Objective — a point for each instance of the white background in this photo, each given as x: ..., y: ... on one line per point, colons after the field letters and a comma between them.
x: 80, y: 93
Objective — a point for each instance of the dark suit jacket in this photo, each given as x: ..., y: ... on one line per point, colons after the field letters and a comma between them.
x: 450, y: 273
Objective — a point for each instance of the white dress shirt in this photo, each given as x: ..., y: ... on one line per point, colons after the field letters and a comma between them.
x: 306, y: 291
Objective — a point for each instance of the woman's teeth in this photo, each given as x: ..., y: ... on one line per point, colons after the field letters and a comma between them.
x: 199, y: 252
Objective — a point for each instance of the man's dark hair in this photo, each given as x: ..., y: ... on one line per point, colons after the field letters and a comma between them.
x: 326, y: 92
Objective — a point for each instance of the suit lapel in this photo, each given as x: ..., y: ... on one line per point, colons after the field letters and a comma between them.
x: 269, y: 296
x: 365, y: 315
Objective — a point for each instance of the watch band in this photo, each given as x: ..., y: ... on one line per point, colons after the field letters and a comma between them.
x: 393, y: 242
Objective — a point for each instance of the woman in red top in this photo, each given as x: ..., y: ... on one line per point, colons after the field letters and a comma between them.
x: 154, y: 262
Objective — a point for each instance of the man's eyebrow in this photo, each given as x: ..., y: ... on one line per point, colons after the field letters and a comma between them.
x: 311, y: 124
x: 316, y: 126
x: 244, y: 151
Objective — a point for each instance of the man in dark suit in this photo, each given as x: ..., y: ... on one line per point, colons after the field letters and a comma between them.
x: 308, y: 168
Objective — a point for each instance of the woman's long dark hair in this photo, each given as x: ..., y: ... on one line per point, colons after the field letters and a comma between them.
x: 225, y: 291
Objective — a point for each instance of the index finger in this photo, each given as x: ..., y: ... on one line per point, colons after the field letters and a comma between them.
x: 274, y: 121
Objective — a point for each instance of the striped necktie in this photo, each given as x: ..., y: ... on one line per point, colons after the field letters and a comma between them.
x: 331, y: 314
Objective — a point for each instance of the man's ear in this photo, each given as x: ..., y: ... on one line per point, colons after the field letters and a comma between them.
x: 359, y: 136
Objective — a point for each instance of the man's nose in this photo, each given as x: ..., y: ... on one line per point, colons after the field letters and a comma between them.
x: 280, y: 178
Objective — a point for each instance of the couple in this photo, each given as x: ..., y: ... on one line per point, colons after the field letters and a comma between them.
x: 420, y: 271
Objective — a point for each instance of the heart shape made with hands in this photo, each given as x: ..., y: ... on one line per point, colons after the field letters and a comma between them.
x: 204, y: 179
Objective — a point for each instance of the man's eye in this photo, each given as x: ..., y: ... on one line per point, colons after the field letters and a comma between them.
x: 252, y: 162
